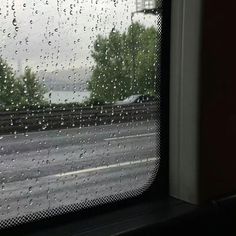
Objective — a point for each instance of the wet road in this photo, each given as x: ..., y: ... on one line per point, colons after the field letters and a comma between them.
x: 50, y: 169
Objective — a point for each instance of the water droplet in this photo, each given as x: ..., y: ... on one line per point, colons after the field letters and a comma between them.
x: 14, y: 22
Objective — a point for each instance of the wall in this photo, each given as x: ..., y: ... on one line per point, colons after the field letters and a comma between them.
x: 217, y: 176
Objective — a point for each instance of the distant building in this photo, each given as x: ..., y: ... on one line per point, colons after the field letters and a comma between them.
x: 142, y: 5
x: 145, y: 4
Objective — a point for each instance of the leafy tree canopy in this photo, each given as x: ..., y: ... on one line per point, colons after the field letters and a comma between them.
x: 10, y: 94
x: 17, y: 92
x: 32, y: 90
x: 126, y: 64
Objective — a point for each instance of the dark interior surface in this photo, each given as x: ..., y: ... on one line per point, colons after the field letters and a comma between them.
x: 218, y: 103
x: 163, y: 217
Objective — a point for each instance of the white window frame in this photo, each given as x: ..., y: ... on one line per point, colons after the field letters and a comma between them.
x: 184, y: 99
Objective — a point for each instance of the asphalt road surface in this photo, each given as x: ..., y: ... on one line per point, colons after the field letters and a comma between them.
x: 50, y: 169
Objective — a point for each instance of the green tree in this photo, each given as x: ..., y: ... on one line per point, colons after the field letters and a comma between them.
x: 32, y: 90
x: 10, y: 94
x: 15, y: 92
x: 126, y: 64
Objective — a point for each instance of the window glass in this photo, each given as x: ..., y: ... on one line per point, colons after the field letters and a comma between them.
x: 79, y: 114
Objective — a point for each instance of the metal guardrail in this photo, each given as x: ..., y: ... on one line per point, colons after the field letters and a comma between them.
x: 47, y: 119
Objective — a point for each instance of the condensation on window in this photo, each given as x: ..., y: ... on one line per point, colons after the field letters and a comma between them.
x: 79, y: 104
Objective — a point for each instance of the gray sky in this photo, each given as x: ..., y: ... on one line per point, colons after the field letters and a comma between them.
x: 59, y: 34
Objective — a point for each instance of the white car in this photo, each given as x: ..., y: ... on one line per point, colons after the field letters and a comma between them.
x: 137, y: 99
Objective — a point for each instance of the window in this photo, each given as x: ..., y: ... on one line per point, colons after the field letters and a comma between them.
x: 193, y: 149
x: 79, y: 100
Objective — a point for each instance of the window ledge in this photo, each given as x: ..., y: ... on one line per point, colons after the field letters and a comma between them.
x: 117, y: 222
x: 163, y: 216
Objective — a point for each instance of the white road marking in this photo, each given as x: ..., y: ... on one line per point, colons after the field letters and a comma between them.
x: 130, y: 136
x: 106, y: 167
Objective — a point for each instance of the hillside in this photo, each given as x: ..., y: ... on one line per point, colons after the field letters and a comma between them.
x: 66, y: 80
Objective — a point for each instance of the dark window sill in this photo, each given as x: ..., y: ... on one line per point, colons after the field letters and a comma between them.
x: 119, y: 221
x: 162, y: 217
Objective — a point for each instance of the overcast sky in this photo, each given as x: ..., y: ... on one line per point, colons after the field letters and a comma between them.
x: 59, y: 34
